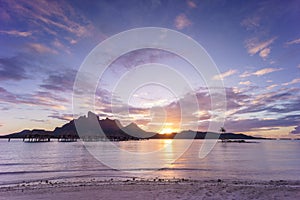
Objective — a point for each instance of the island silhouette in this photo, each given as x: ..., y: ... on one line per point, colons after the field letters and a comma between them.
x: 87, y: 128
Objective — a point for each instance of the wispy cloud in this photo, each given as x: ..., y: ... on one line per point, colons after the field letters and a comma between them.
x: 225, y: 74
x: 264, y: 71
x: 44, y: 99
x: 60, y: 81
x: 40, y: 48
x: 271, y: 86
x: 294, y: 81
x: 260, y: 72
x: 4, y: 16
x: 12, y: 69
x: 56, y: 43
x: 245, y: 83
x: 64, y: 117
x: 263, y: 48
x: 191, y: 4
x: 251, y: 23
x: 51, y: 17
x: 245, y: 74
x: 17, y: 33
x: 264, y: 53
x: 296, y: 41
x: 181, y: 22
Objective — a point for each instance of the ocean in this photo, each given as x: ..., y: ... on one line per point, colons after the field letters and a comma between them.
x: 260, y: 160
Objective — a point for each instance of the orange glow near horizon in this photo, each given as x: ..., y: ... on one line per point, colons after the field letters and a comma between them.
x: 168, y: 130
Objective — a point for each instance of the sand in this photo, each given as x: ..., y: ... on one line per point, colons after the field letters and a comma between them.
x: 152, y: 189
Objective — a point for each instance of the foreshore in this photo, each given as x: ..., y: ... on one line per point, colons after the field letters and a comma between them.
x: 157, y: 188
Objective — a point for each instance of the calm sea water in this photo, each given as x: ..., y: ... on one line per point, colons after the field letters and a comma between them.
x: 265, y: 160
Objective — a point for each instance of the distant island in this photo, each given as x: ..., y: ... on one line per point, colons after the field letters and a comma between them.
x: 113, y: 130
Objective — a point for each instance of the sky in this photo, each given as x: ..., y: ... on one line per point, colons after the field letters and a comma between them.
x: 254, y: 44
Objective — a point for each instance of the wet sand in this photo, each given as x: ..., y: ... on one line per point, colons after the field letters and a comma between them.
x: 152, y: 189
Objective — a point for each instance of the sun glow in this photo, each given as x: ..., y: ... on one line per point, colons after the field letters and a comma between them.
x: 167, y: 131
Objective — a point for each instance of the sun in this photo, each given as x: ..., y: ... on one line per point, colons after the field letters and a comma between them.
x: 167, y: 131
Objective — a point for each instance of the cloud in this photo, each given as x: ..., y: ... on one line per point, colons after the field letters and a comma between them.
x: 139, y: 57
x: 4, y: 16
x: 50, y: 17
x: 237, y: 103
x: 260, y: 72
x: 245, y: 83
x: 246, y: 125
x: 40, y: 48
x: 251, y: 23
x: 38, y: 120
x: 264, y: 71
x: 294, y: 81
x: 245, y: 74
x: 264, y: 53
x: 276, y: 106
x: 271, y: 86
x: 17, y: 33
x: 254, y: 46
x: 64, y: 117
x: 296, y: 130
x: 191, y: 4
x: 60, y: 81
x: 181, y: 22
x: 279, y: 102
x: 45, y: 99
x: 296, y: 41
x: 225, y: 74
x: 56, y: 43
x: 12, y: 69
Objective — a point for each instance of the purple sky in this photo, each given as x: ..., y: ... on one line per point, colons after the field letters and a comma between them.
x: 255, y: 45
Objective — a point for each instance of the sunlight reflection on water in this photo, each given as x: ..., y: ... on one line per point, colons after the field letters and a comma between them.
x: 265, y: 160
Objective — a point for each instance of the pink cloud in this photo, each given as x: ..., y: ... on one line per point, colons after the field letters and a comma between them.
x: 266, y: 71
x: 245, y: 83
x: 263, y: 48
x: 182, y: 22
x: 191, y: 4
x: 260, y: 72
x: 51, y: 16
x: 294, y: 81
x: 264, y: 53
x: 17, y: 33
x: 40, y: 48
x: 296, y: 41
x: 225, y: 74
x: 271, y: 86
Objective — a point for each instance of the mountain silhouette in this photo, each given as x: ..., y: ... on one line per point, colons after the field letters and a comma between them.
x: 135, y: 131
x: 90, y: 127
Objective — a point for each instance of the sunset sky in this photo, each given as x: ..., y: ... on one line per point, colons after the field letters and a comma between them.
x: 255, y: 45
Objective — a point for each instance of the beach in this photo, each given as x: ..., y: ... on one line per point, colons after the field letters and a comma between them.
x: 153, y: 189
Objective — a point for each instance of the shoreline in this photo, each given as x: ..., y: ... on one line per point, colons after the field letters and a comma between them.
x: 152, y: 188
